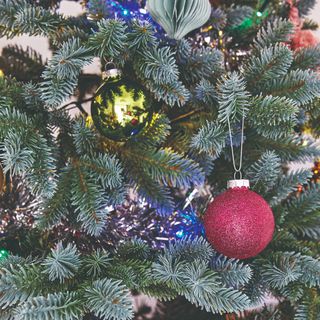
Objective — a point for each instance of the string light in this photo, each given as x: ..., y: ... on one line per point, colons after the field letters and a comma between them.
x: 3, y: 254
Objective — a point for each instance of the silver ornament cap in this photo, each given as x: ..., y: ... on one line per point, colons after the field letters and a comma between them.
x: 238, y: 183
x: 111, y: 73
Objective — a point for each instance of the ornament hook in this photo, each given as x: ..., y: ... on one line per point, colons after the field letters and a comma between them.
x: 237, y: 170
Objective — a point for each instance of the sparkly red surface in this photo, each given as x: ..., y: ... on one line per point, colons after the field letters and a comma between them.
x: 239, y: 223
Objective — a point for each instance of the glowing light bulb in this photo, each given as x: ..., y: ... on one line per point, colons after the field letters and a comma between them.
x: 180, y: 233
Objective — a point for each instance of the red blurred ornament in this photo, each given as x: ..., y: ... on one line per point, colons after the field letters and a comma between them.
x: 303, y: 39
x: 239, y: 223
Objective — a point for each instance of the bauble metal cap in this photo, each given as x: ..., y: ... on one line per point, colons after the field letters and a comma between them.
x: 238, y: 183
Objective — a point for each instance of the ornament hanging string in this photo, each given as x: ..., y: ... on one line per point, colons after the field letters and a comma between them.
x: 237, y: 170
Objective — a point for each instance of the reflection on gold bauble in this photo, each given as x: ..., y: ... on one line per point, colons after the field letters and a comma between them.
x: 120, y: 109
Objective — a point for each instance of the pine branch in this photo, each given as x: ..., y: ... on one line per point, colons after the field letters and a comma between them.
x: 170, y: 168
x: 110, y: 41
x: 305, y: 6
x: 205, y: 92
x: 233, y: 273
x: 158, y: 69
x: 84, y: 137
x: 300, y: 86
x: 278, y: 30
x: 265, y: 172
x: 160, y: 291
x: 169, y: 271
x: 190, y: 249
x: 308, y: 309
x: 134, y: 249
x: 159, y: 65
x: 104, y: 169
x: 308, y: 202
x: 20, y: 282
x: 58, y: 306
x: 158, y: 196
x: 16, y: 158
x: 210, y: 139
x: 310, y: 271
x: 174, y: 93
x: 22, y: 17
x: 96, y: 263
x: 282, y: 272
x: 269, y: 63
x: 233, y: 98
x: 109, y: 299
x: 291, y: 148
x: 307, y: 58
x: 293, y: 291
x: 26, y: 152
x: 133, y: 273
x: 273, y: 117
x: 154, y: 134
x: 61, y: 74
x: 63, y: 263
x: 56, y: 208
x: 89, y: 199
x: 204, y: 290
x: 37, y: 21
x: 141, y: 36
x: 199, y: 64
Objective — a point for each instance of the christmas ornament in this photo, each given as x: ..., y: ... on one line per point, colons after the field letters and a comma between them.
x: 239, y: 223
x: 301, y: 38
x: 120, y: 108
x: 179, y: 17
x: 3, y: 254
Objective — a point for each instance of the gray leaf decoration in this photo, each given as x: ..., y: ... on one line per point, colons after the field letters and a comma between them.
x: 179, y: 17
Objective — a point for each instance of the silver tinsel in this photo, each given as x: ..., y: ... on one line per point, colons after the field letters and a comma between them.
x: 137, y: 219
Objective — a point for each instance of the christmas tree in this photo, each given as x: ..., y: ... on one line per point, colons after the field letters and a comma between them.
x: 117, y: 200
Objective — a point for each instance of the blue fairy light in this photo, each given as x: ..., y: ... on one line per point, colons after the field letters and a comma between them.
x: 180, y: 234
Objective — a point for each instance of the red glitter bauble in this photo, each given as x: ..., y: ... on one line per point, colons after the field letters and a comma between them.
x: 239, y: 223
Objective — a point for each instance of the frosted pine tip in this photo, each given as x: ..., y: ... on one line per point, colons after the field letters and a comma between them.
x: 238, y: 183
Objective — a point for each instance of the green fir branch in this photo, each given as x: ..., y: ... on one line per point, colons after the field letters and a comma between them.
x: 58, y: 306
x: 141, y: 36
x: 279, y: 30
x: 269, y: 63
x: 307, y: 58
x: 298, y: 85
x: 63, y: 263
x: 96, y: 263
x: 265, y: 171
x: 233, y: 273
x: 210, y: 139
x: 110, y: 41
x: 109, y: 299
x: 61, y: 74
x: 233, y: 98
x: 273, y: 117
